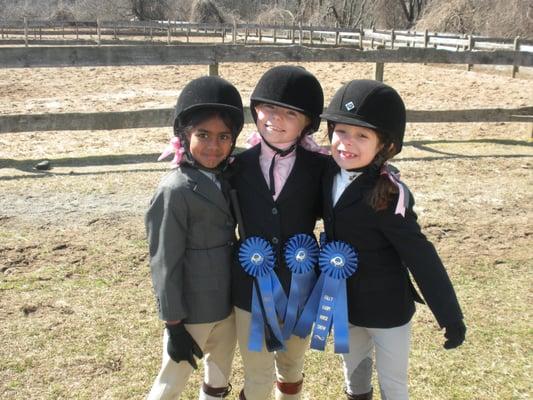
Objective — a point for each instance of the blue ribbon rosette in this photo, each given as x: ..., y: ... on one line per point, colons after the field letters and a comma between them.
x: 269, y: 301
x: 301, y: 256
x: 327, y: 305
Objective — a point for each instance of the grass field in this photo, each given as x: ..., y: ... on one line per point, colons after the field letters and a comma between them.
x: 77, y: 313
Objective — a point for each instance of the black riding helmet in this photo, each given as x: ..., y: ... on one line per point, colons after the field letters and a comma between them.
x: 207, y: 93
x: 291, y: 87
x: 210, y: 92
x: 370, y: 104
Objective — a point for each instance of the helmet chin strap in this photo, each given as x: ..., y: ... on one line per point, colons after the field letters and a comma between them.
x: 281, y: 153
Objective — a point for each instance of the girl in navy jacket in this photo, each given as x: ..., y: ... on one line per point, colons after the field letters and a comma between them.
x: 367, y: 206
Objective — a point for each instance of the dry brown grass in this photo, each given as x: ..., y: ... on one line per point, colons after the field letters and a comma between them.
x: 78, y: 316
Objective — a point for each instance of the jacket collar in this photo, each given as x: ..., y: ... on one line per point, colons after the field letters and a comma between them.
x: 353, y: 193
x: 200, y: 184
x: 250, y: 170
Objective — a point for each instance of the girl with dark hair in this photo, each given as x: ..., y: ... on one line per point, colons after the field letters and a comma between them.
x: 191, y: 233
x: 368, y: 207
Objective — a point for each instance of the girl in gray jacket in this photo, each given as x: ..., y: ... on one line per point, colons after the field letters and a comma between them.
x: 191, y: 233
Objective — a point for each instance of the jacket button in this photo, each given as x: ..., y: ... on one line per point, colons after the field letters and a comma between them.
x: 274, y: 211
x: 275, y: 240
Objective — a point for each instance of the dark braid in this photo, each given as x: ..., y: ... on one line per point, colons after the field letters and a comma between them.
x: 384, y: 191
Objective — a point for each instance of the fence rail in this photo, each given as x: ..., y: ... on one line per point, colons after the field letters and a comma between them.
x: 22, y: 57
x: 163, y: 117
x: 170, y: 30
x: 103, y: 43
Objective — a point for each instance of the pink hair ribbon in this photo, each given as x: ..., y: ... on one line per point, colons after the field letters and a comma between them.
x: 394, y: 177
x: 307, y: 142
x: 174, y: 147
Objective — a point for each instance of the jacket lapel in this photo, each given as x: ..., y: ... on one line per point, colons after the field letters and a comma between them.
x: 354, y: 192
x: 298, y: 177
x: 250, y: 170
x: 207, y: 189
x: 327, y: 189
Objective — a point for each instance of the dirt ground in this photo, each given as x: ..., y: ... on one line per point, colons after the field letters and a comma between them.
x: 77, y: 314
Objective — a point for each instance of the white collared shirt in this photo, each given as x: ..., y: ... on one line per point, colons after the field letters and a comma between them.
x: 341, y: 181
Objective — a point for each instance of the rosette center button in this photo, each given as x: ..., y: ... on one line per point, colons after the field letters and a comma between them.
x: 257, y: 258
x: 337, y: 261
x: 301, y: 255
x: 274, y: 211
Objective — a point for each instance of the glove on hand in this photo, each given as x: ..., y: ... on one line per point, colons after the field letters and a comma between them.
x: 455, y: 334
x: 181, y: 346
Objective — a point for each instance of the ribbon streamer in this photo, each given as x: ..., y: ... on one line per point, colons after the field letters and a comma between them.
x: 269, y: 301
x: 403, y: 198
x: 327, y: 305
x: 175, y: 146
x: 301, y: 256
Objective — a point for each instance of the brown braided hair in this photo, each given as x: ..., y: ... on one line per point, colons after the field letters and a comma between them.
x: 384, y: 190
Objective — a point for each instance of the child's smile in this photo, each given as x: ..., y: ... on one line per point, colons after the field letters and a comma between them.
x: 279, y: 125
x: 211, y: 142
x: 354, y: 146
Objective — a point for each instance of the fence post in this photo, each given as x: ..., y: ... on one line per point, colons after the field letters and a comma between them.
x: 246, y: 35
x: 275, y: 33
x: 378, y: 71
x: 300, y: 34
x: 293, y: 34
x: 392, y: 37
x: 98, y: 32
x: 187, y: 32
x: 234, y: 32
x: 426, y: 39
x: 310, y: 35
x: 151, y: 33
x: 223, y: 34
x: 212, y: 69
x: 361, y: 34
x: 516, y: 48
x: 470, y: 48
x: 77, y: 32
x: 25, y: 32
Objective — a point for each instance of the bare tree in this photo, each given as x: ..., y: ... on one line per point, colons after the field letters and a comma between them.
x: 412, y: 9
x: 149, y: 9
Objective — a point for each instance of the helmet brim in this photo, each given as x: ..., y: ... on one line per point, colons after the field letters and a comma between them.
x: 315, y: 121
x: 348, y: 119
x: 236, y: 113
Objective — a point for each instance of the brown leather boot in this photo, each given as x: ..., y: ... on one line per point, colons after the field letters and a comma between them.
x: 241, y: 395
x: 218, y: 393
x: 288, y: 390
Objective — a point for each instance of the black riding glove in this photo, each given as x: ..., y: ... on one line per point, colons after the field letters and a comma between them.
x: 181, y: 346
x: 455, y: 334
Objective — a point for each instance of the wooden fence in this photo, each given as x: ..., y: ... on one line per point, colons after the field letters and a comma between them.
x: 242, y: 43
x: 113, y: 32
x: 163, y: 118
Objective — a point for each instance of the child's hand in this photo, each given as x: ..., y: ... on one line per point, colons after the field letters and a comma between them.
x: 181, y: 346
x: 455, y: 334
